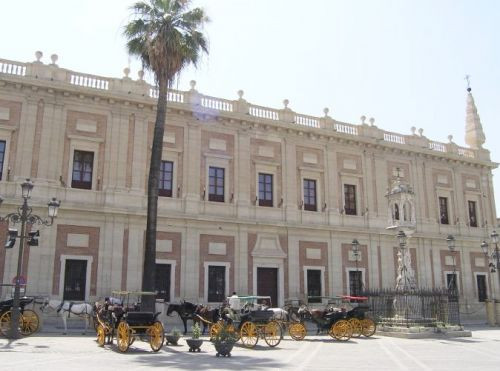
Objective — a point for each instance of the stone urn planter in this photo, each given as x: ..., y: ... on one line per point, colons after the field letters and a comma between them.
x: 172, y: 338
x: 224, y: 341
x: 224, y: 348
x: 194, y: 344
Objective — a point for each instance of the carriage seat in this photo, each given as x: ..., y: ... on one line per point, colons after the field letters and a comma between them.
x: 140, y: 318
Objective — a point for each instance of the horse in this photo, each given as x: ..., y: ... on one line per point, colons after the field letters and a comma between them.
x: 185, y: 310
x: 65, y: 309
x: 207, y: 315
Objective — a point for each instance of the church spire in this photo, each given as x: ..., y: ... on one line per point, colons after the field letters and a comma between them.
x: 474, y: 135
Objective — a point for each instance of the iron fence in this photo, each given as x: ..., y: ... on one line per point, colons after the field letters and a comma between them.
x: 421, y: 307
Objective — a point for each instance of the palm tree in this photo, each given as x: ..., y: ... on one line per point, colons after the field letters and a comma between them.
x: 166, y: 36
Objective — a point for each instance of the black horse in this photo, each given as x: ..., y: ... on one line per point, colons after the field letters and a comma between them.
x: 185, y: 310
x: 196, y: 313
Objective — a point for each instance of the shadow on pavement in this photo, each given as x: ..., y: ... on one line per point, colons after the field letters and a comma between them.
x: 206, y: 361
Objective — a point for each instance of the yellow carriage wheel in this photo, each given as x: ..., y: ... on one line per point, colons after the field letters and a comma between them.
x: 215, y: 328
x: 5, y: 321
x: 156, y: 336
x: 272, y: 334
x: 123, y: 336
x: 297, y: 331
x: 101, y: 335
x: 341, y: 330
x: 357, y: 328
x: 248, y: 334
x: 29, y: 322
x: 368, y: 327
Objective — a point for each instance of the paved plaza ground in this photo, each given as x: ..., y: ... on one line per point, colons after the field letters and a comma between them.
x: 72, y: 352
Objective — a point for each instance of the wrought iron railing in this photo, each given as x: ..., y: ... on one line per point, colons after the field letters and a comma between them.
x: 422, y: 307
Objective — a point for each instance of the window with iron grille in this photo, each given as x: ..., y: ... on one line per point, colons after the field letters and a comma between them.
x: 83, y: 163
x: 355, y: 282
x: 443, y: 210
x: 310, y: 200
x: 265, y: 190
x: 2, y: 157
x: 314, y: 285
x: 481, y: 287
x: 166, y: 176
x: 216, y: 283
x: 216, y: 184
x: 472, y: 214
x: 350, y: 199
x: 451, y: 281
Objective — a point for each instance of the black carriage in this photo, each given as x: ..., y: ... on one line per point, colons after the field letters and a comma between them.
x: 358, y: 317
x: 332, y: 319
x: 127, y: 323
x: 28, y: 319
x: 342, y: 318
x: 251, y: 323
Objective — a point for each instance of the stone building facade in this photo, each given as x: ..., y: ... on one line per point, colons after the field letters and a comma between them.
x: 253, y: 199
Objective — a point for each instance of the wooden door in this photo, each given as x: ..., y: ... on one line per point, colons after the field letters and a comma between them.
x: 162, y: 277
x: 267, y: 284
x: 75, y: 280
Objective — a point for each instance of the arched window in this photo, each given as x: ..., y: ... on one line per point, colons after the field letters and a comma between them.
x: 396, y: 212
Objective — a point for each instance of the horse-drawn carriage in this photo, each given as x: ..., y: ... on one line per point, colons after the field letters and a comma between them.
x: 340, y: 318
x: 253, y: 322
x: 28, y: 319
x: 117, y: 318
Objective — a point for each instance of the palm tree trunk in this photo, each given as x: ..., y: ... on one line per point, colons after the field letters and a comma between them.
x: 148, y: 274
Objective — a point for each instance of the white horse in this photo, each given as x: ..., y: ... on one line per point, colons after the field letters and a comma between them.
x: 279, y: 314
x: 65, y: 309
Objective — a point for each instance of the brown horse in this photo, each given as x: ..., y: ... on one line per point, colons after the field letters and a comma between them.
x: 207, y: 315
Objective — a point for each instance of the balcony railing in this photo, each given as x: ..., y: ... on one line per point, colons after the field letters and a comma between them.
x: 140, y: 88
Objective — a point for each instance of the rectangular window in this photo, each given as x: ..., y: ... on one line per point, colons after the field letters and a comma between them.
x: 216, y: 283
x: 350, y: 199
x: 310, y: 199
x: 162, y: 284
x: 166, y: 176
x: 2, y: 157
x: 216, y: 184
x: 314, y: 285
x: 83, y: 164
x: 481, y: 287
x: 472, y: 214
x: 451, y: 281
x: 443, y: 210
x: 265, y: 190
x: 355, y: 283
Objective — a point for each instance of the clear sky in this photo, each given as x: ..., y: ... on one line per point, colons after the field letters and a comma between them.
x: 401, y: 62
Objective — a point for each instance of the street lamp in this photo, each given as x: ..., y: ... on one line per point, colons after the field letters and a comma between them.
x: 451, y: 246
x: 355, y: 251
x: 25, y: 216
x: 494, y: 256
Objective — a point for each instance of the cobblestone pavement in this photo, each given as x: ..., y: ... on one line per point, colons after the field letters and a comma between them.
x: 51, y: 352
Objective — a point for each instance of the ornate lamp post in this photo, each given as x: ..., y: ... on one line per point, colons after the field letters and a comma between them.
x: 451, y: 246
x: 494, y: 256
x: 355, y: 251
x: 25, y: 216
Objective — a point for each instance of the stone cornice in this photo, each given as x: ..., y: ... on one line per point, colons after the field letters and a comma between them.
x: 140, y: 96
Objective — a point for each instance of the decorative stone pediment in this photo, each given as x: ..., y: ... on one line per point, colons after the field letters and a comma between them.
x: 268, y: 246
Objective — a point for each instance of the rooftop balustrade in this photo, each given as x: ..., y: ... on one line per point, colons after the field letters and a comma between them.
x: 139, y: 89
